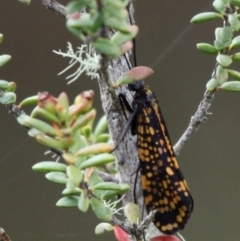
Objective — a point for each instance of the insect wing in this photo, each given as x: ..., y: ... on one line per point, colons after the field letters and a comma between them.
x: 164, y: 187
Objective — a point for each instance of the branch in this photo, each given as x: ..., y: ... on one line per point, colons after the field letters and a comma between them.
x: 198, y: 118
x: 54, y: 6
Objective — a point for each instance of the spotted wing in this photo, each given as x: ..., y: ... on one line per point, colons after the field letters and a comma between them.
x: 164, y: 187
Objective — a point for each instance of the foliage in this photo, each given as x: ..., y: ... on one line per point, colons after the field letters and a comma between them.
x: 68, y: 129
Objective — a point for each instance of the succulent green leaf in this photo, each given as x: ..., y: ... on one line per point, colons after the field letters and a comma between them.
x: 37, y: 124
x: 74, y: 174
x: 107, y: 186
x: 235, y: 3
x: 3, y: 84
x: 235, y: 74
x: 84, y: 22
x: 102, y: 138
x: 103, y: 213
x: 57, y: 177
x: 107, y: 48
x: 205, y: 17
x: 69, y: 201
x: 4, y: 59
x: 231, y: 86
x: 34, y: 132
x: 235, y: 42
x: 234, y: 21
x: 94, y: 179
x: 52, y: 117
x: 207, y: 48
x: 212, y: 84
x: 95, y: 149
x: 120, y: 38
x: 135, y: 74
x: 98, y: 160
x: 27, y: 2
x: 219, y: 44
x: 83, y: 203
x: 49, y: 141
x: 224, y: 34
x: 32, y: 100
x: 8, y: 98
x: 114, y: 23
x: 76, y: 6
x: 224, y: 60
x: 103, y: 227
x: 101, y: 126
x: 220, y: 6
x: 84, y: 120
x: 221, y: 75
x: 132, y: 213
x: 1, y: 38
x: 49, y: 166
x: 236, y: 57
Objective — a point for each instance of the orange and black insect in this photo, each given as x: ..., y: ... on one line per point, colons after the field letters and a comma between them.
x: 164, y: 187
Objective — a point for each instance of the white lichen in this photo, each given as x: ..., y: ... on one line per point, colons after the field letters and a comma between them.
x: 87, y: 59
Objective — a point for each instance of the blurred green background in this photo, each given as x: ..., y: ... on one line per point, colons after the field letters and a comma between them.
x: 210, y: 161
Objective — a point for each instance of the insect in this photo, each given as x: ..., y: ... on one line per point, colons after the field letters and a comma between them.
x: 164, y: 187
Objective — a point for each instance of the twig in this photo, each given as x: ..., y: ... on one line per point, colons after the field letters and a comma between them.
x: 198, y: 118
x: 54, y: 6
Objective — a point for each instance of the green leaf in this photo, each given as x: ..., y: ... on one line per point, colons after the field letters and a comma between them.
x: 220, y: 6
x: 212, y: 84
x: 205, y: 17
x: 103, y: 227
x: 221, y: 75
x: 207, y: 48
x: 234, y: 21
x: 135, y: 74
x: 102, y: 138
x: 49, y: 166
x: 236, y: 57
x: 231, y: 86
x: 69, y: 201
x: 101, y: 126
x: 57, y: 177
x: 52, y: 117
x: 8, y: 98
x: 49, y: 141
x: 97, y: 148
x: 26, y: 120
x: 224, y: 34
x: 107, y: 48
x: 94, y: 179
x: 3, y: 84
x: 235, y: 3
x: 120, y: 38
x: 224, y: 60
x: 83, y: 120
x: 235, y: 42
x: 103, y: 213
x: 1, y: 38
x: 74, y: 174
x: 98, y: 160
x: 132, y: 213
x: 219, y: 44
x: 4, y: 59
x: 83, y: 203
x: 76, y: 6
x: 114, y: 23
x: 107, y: 186
x: 27, y: 2
x: 234, y: 73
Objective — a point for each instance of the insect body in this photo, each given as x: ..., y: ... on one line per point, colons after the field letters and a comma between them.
x: 164, y: 187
